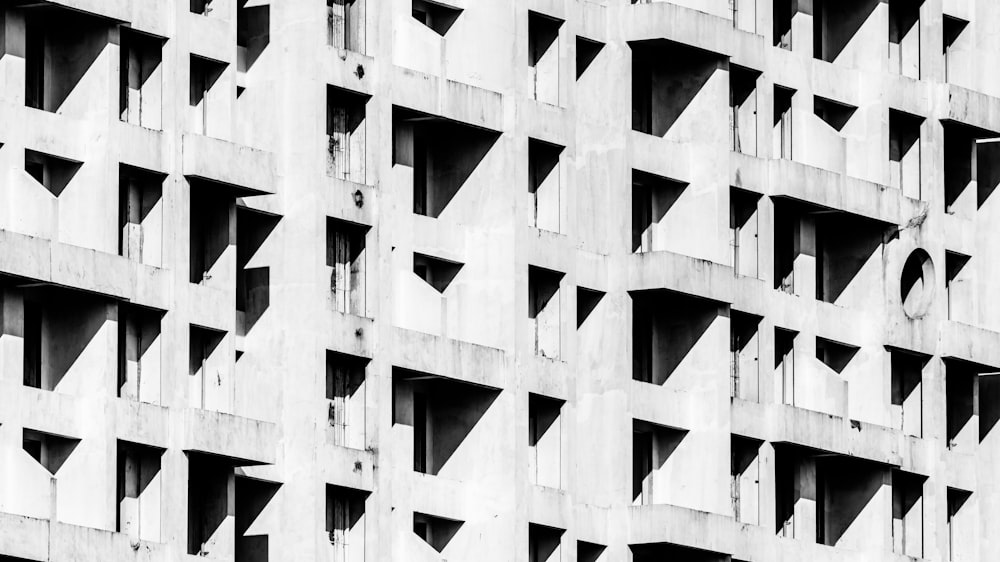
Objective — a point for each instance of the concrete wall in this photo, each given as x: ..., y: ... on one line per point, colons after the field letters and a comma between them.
x: 458, y: 103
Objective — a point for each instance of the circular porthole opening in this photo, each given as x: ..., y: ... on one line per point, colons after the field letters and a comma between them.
x: 917, y: 284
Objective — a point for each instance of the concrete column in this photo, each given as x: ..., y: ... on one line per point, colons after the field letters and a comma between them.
x: 804, y: 268
x: 11, y: 336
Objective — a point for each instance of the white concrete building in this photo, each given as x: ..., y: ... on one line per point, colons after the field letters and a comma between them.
x: 499, y: 280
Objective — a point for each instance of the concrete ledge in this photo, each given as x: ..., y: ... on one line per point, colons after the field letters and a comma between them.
x: 343, y: 466
x: 662, y: 406
x: 780, y: 423
x: 665, y: 158
x: 81, y: 268
x: 548, y: 506
x: 210, y: 37
x: 547, y: 122
x: 973, y: 108
x: 683, y: 274
x: 547, y: 249
x: 24, y: 537
x: 442, y: 497
x: 75, y: 267
x: 958, y: 8
x: 228, y: 163
x: 836, y: 81
x: 45, y: 410
x: 449, y: 358
x: 590, y: 270
x: 961, y: 470
x: 663, y: 20
x: 441, y: 238
x: 38, y: 539
x: 837, y: 191
x: 57, y: 134
x: 748, y: 172
x: 340, y: 69
x: 66, y: 544
x: 339, y: 201
x: 344, y: 334
x: 139, y: 146
x: 592, y: 18
x: 591, y: 523
x: 250, y: 441
x: 112, y: 9
x: 752, y: 295
x: 150, y: 16
x: 970, y: 343
x: 759, y: 542
x: 140, y: 422
x: 449, y: 99
x: 681, y: 526
x: 211, y: 307
x: 548, y: 377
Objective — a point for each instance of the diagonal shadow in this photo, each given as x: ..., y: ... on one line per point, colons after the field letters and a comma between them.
x: 544, y: 541
x: 252, y: 31
x: 987, y: 169
x: 586, y: 51
x: 652, y: 198
x: 586, y: 301
x: 435, y: 531
x: 205, y: 73
x: 252, y: 283
x: 652, y: 446
x: 543, y: 285
x: 136, y: 325
x: 436, y: 272
x: 53, y: 172
x: 959, y: 396
x: 836, y: 22
x: 344, y: 508
x: 444, y: 413
x: 252, y: 497
x: 543, y: 157
x: 666, y: 326
x: 48, y: 449
x: 436, y: 16
x: 835, y: 355
x: 210, y: 234
x: 844, y: 244
x: 847, y: 486
x: 833, y: 113
x: 443, y: 154
x: 906, y: 374
x: 658, y: 552
x: 666, y: 78
x: 588, y: 551
x: 455, y: 409
x: 61, y: 46
x: 543, y: 413
x: 63, y: 326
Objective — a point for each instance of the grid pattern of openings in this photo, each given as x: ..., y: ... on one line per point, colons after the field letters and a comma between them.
x: 494, y: 280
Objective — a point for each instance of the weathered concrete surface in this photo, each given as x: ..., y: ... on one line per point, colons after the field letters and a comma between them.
x: 744, y: 384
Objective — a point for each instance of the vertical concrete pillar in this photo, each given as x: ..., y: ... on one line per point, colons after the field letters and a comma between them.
x: 802, y: 27
x: 128, y: 509
x: 12, y: 51
x: 767, y: 487
x: 11, y: 336
x: 804, y: 267
x: 806, y: 499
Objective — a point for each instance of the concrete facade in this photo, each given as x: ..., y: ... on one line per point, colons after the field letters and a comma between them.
x: 499, y: 280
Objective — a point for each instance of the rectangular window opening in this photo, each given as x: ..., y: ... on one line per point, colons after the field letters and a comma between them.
x: 140, y: 79
x: 345, y: 391
x: 346, y: 258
